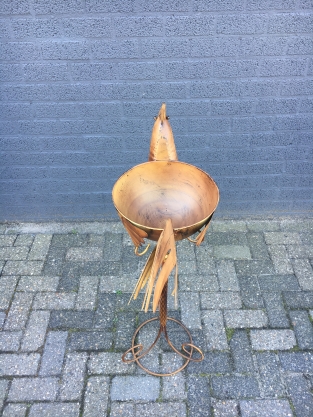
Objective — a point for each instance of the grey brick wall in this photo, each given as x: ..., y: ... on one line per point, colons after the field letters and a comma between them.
x: 82, y: 79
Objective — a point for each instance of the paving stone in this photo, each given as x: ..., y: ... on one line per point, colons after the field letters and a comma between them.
x: 104, y: 314
x: 23, y: 268
x: 54, y: 261
x: 125, y: 328
x: 304, y: 273
x: 220, y: 300
x: 301, y: 362
x: 7, y: 240
x: 18, y: 312
x: 213, y: 363
x: 296, y: 224
x: 113, y: 248
x: 250, y: 292
x: 124, y: 409
x: 241, y: 352
x: 13, y: 253
x: 272, y: 339
x: 72, y: 270
x: 191, y: 311
x: 129, y: 262
x: 197, y: 283
x: 254, y: 267
x: 24, y: 240
x: 2, y: 319
x: 245, y: 318
x: 173, y: 387
x: 228, y: 408
x: 87, y: 293
x: 71, y: 319
x: 258, y: 246
x: 108, y: 363
x: 232, y: 252
x: 73, y: 376
x: 18, y: 364
x: 7, y: 288
x: 301, y: 396
x: 299, y: 299
x: 84, y: 254
x: 278, y: 283
x: 303, y: 329
x: 276, y: 313
x: 269, y: 369
x: 54, y: 301
x: 198, y: 396
x: 96, y: 396
x: 187, y: 250
x: 169, y: 409
x: 91, y: 340
x: 15, y: 410
x: 135, y: 388
x: 34, y: 284
x: 229, y: 225
x: 116, y: 283
x: 35, y: 332
x: 265, y: 408
x: 33, y: 389
x: 280, y: 259
x: 227, y: 276
x: 298, y: 251
x: 53, y: 354
x: 214, y: 329
x: 40, y: 247
x: 282, y: 238
x: 10, y: 341
x: 234, y: 387
x: 54, y: 410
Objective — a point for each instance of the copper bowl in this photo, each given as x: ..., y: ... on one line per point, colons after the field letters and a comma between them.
x: 150, y: 193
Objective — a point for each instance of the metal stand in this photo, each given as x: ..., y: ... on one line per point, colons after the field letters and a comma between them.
x: 137, y: 349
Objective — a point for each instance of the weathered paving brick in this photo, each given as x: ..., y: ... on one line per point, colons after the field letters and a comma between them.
x: 228, y: 408
x: 24, y: 240
x: 96, y: 396
x: 7, y: 240
x: 234, y: 387
x: 272, y: 339
x: 301, y: 396
x: 198, y: 396
x: 7, y: 287
x: 23, y: 268
x: 245, y: 318
x: 3, y: 390
x: 10, y: 341
x: 174, y: 409
x: 232, y: 252
x: 195, y: 283
x: 14, y: 410
x: 278, y: 283
x: 299, y: 299
x: 241, y: 352
x: 266, y: 408
x: 191, y: 311
x: 135, y: 388
x: 227, y: 276
x: 112, y: 249
x: 257, y: 246
x: 304, y: 273
x: 126, y: 409
x: 276, y: 313
x: 34, y: 284
x: 33, y: 389
x: 213, y: 363
x: 18, y: 312
x: 104, y: 314
x: 280, y: 259
x: 282, y: 238
x: 214, y: 329
x: 40, y: 247
x: 73, y: 376
x: 87, y: 293
x: 35, y: 332
x: 303, y: 328
x: 13, y: 253
x: 54, y: 301
x: 108, y: 363
x: 54, y: 409
x: 2, y: 318
x: 53, y: 354
x: 297, y: 361
x: 250, y: 292
x: 91, y: 340
x: 269, y: 368
x: 19, y: 364
x: 220, y: 300
x: 71, y: 319
x: 125, y: 327
x: 84, y: 254
x: 174, y: 387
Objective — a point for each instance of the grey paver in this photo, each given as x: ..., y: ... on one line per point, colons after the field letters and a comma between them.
x: 297, y: 361
x: 245, y: 318
x: 272, y: 339
x: 169, y: 409
x: 54, y: 410
x: 265, y: 408
x: 241, y: 352
x: 213, y: 363
x: 119, y: 409
x: 254, y: 267
x: 7, y: 240
x: 227, y: 276
x: 232, y: 252
x: 269, y: 368
x: 4, y: 383
x: 91, y: 340
x: 40, y: 247
x: 10, y: 341
x: 115, y: 283
x: 173, y: 388
x: 125, y: 327
x: 278, y: 283
x: 73, y: 376
x: 15, y: 410
x: 276, y: 312
x: 23, y: 268
x: 34, y: 284
x: 18, y: 364
x: 24, y: 240
x: 54, y: 301
x: 250, y: 292
x: 235, y: 387
x: 301, y: 396
x: 18, y: 313
x: 13, y: 253
x: 197, y: 282
x: 53, y: 354
x: 304, y: 273
x: 303, y: 299
x: 84, y: 254
x: 135, y: 388
x: 2, y: 318
x: 7, y: 287
x: 35, y: 330
x: 282, y: 238
x: 87, y: 293
x: 33, y: 389
x: 228, y: 408
x: 71, y: 319
x: 303, y: 328
x: 280, y: 259
x: 191, y: 315
x: 108, y: 363
x: 198, y: 396
x: 221, y: 300
x: 96, y: 396
x: 214, y: 329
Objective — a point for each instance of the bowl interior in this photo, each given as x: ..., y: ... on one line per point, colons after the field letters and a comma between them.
x: 150, y: 193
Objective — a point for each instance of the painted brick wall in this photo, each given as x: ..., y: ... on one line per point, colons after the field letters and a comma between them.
x: 82, y: 79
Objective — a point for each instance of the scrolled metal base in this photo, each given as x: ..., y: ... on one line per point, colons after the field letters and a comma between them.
x: 138, y: 352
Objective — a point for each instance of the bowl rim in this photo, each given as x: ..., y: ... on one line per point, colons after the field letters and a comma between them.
x: 141, y: 226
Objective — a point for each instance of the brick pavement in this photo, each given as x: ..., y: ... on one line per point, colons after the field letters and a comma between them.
x: 246, y: 295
